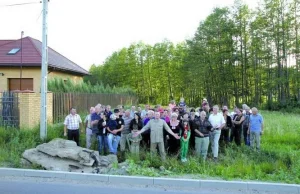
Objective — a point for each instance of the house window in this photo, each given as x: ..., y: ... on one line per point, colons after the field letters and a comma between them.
x: 13, y: 51
x: 24, y: 84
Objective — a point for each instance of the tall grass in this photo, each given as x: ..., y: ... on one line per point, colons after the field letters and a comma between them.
x: 278, y: 161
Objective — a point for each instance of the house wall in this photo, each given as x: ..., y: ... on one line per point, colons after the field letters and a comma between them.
x: 32, y: 72
x: 64, y: 76
x: 13, y: 72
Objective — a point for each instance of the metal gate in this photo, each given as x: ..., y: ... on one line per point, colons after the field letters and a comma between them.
x: 9, y: 110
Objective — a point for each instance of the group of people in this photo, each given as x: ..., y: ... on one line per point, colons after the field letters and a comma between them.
x: 173, y: 130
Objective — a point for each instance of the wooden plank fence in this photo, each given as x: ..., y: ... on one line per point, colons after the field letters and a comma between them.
x: 62, y: 102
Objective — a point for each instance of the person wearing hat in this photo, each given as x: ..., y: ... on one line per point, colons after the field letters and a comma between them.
x: 114, y: 128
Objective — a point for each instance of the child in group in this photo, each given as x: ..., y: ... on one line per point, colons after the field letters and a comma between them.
x: 134, y: 142
x: 184, y: 141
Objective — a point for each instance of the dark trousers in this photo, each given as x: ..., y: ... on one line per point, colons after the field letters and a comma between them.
x: 246, y: 136
x: 146, y: 140
x: 236, y: 135
x: 192, y: 140
x: 173, y: 145
x: 73, y: 135
x: 224, y: 135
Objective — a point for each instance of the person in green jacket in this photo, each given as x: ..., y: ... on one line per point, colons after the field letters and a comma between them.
x: 184, y: 141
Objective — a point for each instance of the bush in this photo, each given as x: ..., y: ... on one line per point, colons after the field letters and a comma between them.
x: 59, y: 85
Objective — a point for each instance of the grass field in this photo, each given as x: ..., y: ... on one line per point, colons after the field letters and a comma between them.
x: 278, y: 161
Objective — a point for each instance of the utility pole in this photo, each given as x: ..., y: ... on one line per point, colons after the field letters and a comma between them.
x: 44, y: 89
x: 21, y: 67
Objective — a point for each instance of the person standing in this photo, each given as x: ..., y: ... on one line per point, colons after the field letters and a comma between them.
x: 102, y: 134
x: 88, y: 128
x: 136, y: 124
x: 246, y: 126
x: 202, y: 129
x: 256, y: 128
x: 191, y: 122
x: 146, y: 134
x: 217, y: 121
x: 107, y: 111
x: 72, y: 124
x: 184, y: 141
x: 157, y: 126
x: 145, y: 111
x: 124, y: 133
x: 238, y: 120
x: 172, y: 142
x: 132, y: 111
x: 172, y: 105
x: 95, y: 118
x: 227, y: 128
x: 115, y: 126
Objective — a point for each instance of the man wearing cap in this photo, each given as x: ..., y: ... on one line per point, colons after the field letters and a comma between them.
x: 157, y: 126
x: 115, y: 126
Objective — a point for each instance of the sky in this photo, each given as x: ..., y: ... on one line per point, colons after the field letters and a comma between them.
x: 88, y: 31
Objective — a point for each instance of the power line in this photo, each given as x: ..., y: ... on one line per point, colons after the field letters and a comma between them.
x: 20, y: 4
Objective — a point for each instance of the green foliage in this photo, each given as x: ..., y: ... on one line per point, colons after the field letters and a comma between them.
x: 58, y: 85
x: 236, y: 56
x: 278, y: 161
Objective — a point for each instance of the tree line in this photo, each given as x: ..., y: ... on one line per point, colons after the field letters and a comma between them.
x: 237, y: 55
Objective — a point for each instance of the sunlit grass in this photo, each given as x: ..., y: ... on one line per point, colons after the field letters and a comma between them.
x: 278, y: 161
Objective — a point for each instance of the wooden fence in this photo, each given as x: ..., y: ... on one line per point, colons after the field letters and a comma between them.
x: 62, y: 102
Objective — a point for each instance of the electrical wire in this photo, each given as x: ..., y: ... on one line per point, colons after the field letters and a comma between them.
x: 20, y: 4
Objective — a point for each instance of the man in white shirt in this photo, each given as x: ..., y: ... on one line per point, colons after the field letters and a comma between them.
x: 72, y: 123
x: 218, y: 122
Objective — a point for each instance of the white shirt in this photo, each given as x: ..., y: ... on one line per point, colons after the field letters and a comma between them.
x: 72, y: 121
x: 216, y: 120
x: 88, y: 119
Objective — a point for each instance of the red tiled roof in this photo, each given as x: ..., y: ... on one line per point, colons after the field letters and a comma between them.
x: 32, y: 56
x: 5, y: 41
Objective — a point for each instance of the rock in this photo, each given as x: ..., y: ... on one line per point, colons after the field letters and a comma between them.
x: 50, y: 162
x: 118, y: 171
x: 25, y: 163
x: 162, y: 168
x: 123, y: 165
x: 65, y: 155
x: 112, y: 158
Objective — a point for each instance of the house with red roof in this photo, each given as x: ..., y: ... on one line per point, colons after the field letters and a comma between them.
x: 20, y: 65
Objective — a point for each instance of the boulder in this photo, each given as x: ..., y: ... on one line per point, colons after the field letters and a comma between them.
x: 65, y: 155
x: 67, y: 149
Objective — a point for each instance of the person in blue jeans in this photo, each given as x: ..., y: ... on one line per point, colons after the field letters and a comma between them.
x: 256, y: 128
x: 114, y: 128
x: 102, y: 134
